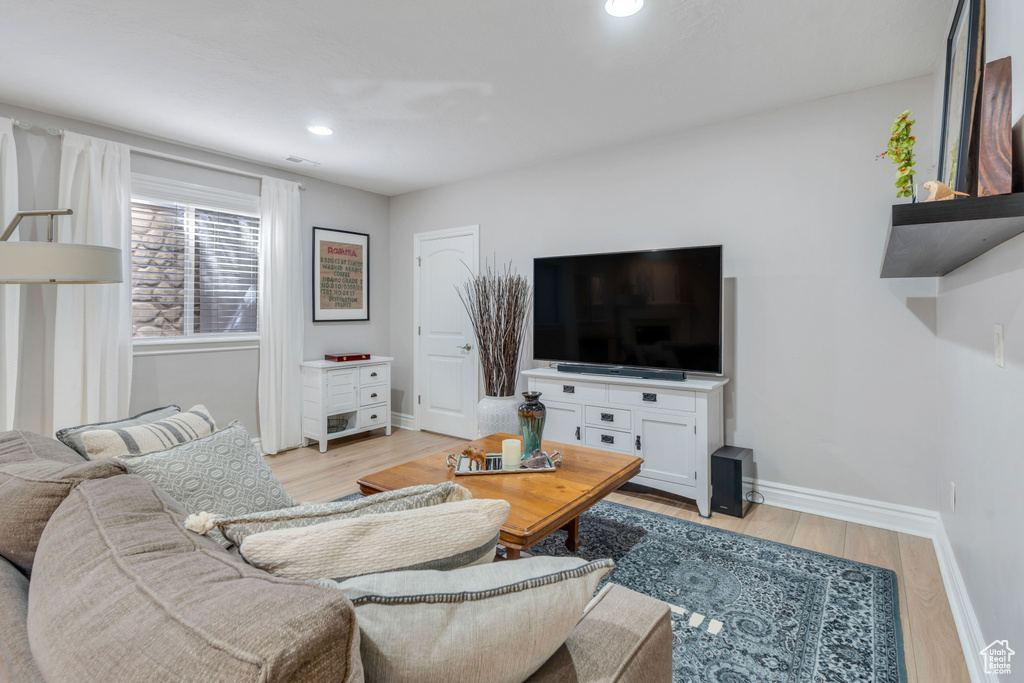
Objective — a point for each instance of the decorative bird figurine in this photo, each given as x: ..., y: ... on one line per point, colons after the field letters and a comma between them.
x: 939, y: 192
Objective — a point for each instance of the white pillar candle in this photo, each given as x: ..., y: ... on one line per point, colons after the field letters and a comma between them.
x: 511, y: 452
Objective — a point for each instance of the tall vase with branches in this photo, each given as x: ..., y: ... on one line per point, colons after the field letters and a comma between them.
x: 498, y: 303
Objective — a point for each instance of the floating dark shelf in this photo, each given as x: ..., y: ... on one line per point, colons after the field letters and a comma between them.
x: 934, y: 238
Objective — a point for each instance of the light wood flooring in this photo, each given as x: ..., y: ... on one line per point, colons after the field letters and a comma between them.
x: 931, y: 645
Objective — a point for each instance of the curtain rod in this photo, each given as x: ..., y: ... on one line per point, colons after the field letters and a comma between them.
x: 26, y: 125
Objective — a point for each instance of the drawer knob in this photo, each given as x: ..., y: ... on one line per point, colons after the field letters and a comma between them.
x: 607, y: 417
x: 373, y: 374
x: 568, y: 389
x: 373, y: 395
x: 374, y: 416
x: 651, y: 398
x: 607, y: 438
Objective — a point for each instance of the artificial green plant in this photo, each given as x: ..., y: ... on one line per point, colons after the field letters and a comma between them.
x: 901, y: 152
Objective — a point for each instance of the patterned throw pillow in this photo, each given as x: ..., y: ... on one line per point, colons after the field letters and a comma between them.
x: 223, y: 474
x: 236, y: 529
x: 150, y: 437
x: 463, y: 617
x: 72, y: 436
x: 389, y: 541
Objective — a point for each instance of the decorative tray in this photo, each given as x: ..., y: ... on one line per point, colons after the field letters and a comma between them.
x: 541, y: 462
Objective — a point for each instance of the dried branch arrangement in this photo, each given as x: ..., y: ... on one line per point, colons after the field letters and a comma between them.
x: 498, y: 305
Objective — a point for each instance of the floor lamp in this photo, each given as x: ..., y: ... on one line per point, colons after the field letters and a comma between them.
x: 52, y: 262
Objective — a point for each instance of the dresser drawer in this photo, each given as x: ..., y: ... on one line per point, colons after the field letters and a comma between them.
x: 608, y: 439
x: 377, y: 393
x: 369, y: 417
x: 568, y: 390
x: 373, y: 374
x: 609, y: 418
x: 666, y: 399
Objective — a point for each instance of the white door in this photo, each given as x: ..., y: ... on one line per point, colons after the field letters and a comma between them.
x: 563, y: 422
x: 668, y: 445
x: 446, y: 355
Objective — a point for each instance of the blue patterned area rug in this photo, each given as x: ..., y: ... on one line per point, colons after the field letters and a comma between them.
x: 749, y: 609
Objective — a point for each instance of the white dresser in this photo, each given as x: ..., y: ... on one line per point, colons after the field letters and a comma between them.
x: 673, y: 426
x: 356, y: 393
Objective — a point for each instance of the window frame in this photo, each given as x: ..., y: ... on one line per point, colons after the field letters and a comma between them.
x: 167, y: 192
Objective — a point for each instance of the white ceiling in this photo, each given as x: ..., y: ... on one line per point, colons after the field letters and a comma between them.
x: 422, y: 93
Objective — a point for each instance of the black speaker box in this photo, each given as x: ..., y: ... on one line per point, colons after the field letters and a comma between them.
x: 732, y: 479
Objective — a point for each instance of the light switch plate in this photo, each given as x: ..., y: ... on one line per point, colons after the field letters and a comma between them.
x: 999, y: 346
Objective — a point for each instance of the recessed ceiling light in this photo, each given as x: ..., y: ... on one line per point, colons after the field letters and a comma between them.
x: 324, y: 130
x: 623, y: 8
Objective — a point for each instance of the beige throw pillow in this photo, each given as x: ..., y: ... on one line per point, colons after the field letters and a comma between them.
x: 171, y: 431
x: 497, y: 622
x: 444, y: 536
x: 237, y: 528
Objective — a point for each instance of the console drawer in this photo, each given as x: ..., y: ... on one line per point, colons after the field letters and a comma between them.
x: 377, y: 393
x: 608, y: 418
x: 373, y: 374
x: 568, y: 390
x: 369, y: 417
x: 666, y: 399
x: 608, y: 439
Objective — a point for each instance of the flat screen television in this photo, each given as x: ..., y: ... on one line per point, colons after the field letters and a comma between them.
x: 643, y: 309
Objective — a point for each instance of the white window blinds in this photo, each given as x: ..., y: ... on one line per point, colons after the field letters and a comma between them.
x: 194, y: 263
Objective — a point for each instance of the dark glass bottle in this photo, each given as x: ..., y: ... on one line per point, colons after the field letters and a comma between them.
x: 532, y: 414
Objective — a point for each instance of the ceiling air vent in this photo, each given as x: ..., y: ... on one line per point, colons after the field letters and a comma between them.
x: 300, y: 161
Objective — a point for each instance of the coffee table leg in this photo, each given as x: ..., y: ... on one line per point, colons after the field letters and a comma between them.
x: 572, y: 541
x: 511, y: 553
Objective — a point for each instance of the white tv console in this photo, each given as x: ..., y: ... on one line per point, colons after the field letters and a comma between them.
x: 673, y: 426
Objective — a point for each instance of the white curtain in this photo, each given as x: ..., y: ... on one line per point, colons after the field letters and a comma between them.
x: 92, y: 365
x: 281, y: 317
x: 10, y: 295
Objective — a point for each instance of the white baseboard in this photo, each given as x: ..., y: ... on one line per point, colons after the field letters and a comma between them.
x: 891, y: 516
x: 258, y: 443
x: 971, y: 637
x: 403, y: 421
x: 903, y: 519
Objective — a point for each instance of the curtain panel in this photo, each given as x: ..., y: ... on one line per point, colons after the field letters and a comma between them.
x: 92, y: 368
x: 10, y: 295
x: 280, y: 315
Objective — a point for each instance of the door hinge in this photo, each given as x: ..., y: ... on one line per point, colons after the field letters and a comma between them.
x: 419, y: 261
x: 419, y: 400
x: 695, y: 474
x: 694, y: 429
x: 419, y: 330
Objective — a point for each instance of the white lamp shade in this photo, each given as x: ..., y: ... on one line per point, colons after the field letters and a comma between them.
x: 54, y: 262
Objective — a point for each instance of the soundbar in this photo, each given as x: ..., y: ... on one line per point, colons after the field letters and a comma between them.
x: 621, y: 371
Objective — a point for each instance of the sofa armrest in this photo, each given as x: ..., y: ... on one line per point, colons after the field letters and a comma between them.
x: 16, y: 662
x: 624, y: 638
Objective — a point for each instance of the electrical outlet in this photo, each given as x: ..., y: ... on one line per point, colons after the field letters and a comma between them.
x: 999, y: 346
x: 952, y: 496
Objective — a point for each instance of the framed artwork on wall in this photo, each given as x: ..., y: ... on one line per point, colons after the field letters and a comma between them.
x: 341, y: 275
x: 963, y: 77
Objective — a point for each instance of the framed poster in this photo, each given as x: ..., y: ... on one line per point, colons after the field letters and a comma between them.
x: 341, y: 275
x: 963, y: 76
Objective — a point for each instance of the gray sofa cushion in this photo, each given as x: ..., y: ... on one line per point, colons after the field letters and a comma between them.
x: 16, y: 663
x: 36, y: 475
x: 72, y: 436
x: 122, y: 592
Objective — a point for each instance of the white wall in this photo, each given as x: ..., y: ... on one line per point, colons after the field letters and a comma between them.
x: 832, y: 368
x: 225, y: 381
x: 980, y: 430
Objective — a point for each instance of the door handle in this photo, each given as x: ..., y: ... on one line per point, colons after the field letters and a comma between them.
x: 638, y: 442
x: 607, y: 417
x: 577, y: 433
x: 466, y: 347
x: 607, y: 438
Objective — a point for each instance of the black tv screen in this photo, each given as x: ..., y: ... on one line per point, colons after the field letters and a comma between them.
x: 650, y: 309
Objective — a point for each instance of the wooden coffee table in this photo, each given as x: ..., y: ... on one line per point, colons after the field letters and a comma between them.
x: 541, y: 502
